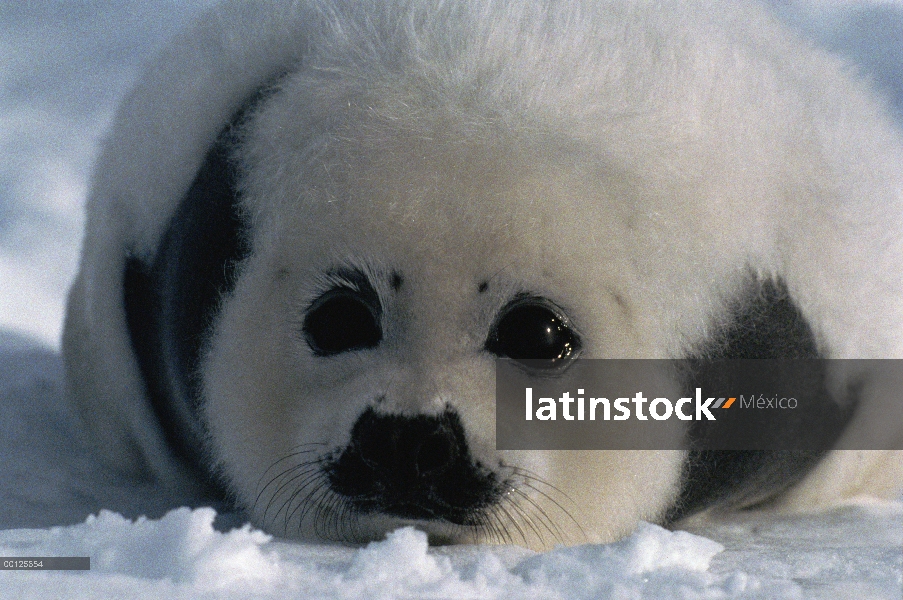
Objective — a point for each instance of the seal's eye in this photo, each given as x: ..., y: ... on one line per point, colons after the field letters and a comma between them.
x: 529, y: 328
x: 342, y: 320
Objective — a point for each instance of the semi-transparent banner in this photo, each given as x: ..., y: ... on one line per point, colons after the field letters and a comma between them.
x: 781, y: 404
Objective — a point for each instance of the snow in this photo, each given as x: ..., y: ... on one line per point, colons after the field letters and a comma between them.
x: 65, y: 65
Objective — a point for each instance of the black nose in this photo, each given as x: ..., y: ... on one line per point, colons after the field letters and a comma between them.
x: 406, y: 451
x: 415, y: 467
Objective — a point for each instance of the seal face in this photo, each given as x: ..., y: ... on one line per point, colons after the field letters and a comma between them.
x: 292, y: 296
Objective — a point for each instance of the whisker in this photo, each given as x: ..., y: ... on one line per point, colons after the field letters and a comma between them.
x: 299, y: 492
x: 531, y: 476
x: 308, y: 502
x: 303, y: 473
x: 514, y: 522
x: 530, y: 479
x: 484, y: 526
x: 499, y: 525
x: 287, y: 457
x: 311, y: 480
x: 326, y: 514
x: 529, y: 518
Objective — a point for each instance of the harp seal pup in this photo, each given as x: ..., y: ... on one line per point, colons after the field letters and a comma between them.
x: 315, y: 225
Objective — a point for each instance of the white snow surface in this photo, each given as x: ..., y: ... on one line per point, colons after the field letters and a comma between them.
x: 65, y: 64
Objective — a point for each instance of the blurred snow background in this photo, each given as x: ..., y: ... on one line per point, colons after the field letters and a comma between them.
x: 63, y: 67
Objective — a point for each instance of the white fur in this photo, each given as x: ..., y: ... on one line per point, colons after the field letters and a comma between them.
x: 632, y: 161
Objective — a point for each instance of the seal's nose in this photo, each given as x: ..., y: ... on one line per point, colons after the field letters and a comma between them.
x: 405, y: 452
x: 416, y: 467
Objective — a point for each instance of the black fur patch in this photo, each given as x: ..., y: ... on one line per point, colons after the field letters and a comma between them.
x: 416, y: 467
x: 171, y: 302
x: 765, y: 325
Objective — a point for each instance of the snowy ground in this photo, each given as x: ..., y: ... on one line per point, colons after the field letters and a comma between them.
x: 64, y: 66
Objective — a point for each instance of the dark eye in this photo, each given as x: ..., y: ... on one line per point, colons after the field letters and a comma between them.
x: 531, y: 329
x: 342, y: 320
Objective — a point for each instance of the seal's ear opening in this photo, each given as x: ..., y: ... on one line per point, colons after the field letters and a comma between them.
x: 171, y: 301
